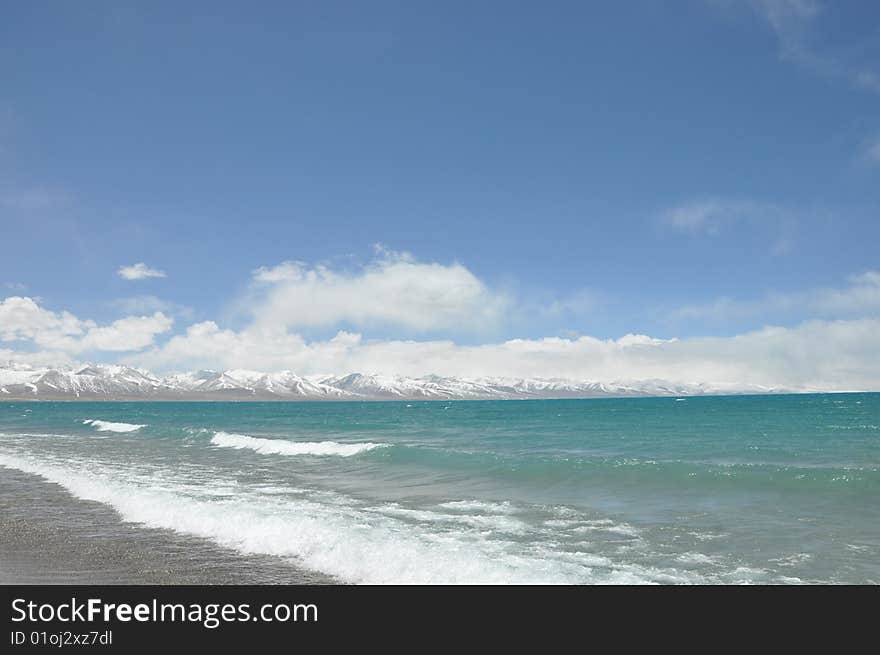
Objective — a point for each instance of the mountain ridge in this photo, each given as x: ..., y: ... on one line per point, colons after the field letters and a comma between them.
x: 118, y: 382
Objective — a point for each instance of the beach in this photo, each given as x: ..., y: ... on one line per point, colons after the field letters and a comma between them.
x: 47, y: 536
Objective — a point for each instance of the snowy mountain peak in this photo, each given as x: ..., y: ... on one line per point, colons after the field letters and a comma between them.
x: 116, y: 382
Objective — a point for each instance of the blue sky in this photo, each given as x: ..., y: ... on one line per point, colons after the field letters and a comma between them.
x: 679, y: 170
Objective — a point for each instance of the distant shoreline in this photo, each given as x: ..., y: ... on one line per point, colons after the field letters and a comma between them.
x: 279, y: 399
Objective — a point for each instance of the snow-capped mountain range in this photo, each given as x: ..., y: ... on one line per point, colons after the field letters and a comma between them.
x: 114, y: 382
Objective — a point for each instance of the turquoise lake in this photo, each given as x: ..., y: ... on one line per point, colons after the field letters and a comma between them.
x: 735, y: 489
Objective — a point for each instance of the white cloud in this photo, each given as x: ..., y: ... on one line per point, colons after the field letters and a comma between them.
x: 699, y: 215
x: 22, y: 319
x: 794, y: 22
x: 46, y: 358
x: 393, y: 290
x: 146, y: 304
x: 139, y: 271
x: 712, y: 215
x: 206, y: 345
x: 130, y: 333
x: 285, y: 272
x: 860, y: 298
x: 579, y: 303
x: 818, y: 355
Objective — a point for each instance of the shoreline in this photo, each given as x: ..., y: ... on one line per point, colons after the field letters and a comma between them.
x: 48, y: 536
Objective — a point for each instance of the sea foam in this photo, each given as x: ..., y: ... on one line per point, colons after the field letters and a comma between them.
x: 109, y: 426
x: 480, y: 506
x: 337, y: 538
x: 284, y: 447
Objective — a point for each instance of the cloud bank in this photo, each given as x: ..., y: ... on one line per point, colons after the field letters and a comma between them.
x: 859, y: 298
x: 22, y: 319
x: 829, y: 355
x: 839, y: 349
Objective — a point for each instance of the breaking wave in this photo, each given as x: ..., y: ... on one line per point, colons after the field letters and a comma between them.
x: 284, y: 447
x: 109, y: 426
x: 337, y: 535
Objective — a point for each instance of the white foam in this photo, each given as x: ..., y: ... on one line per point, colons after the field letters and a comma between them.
x: 480, y: 506
x: 791, y: 560
x: 284, y: 447
x: 560, y: 523
x: 695, y: 558
x: 337, y: 538
x: 624, y: 529
x: 109, y: 426
x: 493, y: 523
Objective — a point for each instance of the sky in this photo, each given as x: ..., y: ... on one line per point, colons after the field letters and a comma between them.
x: 685, y: 190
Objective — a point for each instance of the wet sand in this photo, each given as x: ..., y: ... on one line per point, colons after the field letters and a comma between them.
x: 49, y: 537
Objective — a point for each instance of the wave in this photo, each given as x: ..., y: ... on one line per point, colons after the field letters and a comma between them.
x: 109, y: 426
x: 337, y: 536
x: 494, y: 522
x: 480, y: 506
x: 284, y: 447
x: 545, y: 468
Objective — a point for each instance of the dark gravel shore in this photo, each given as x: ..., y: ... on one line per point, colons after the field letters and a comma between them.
x: 49, y: 537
